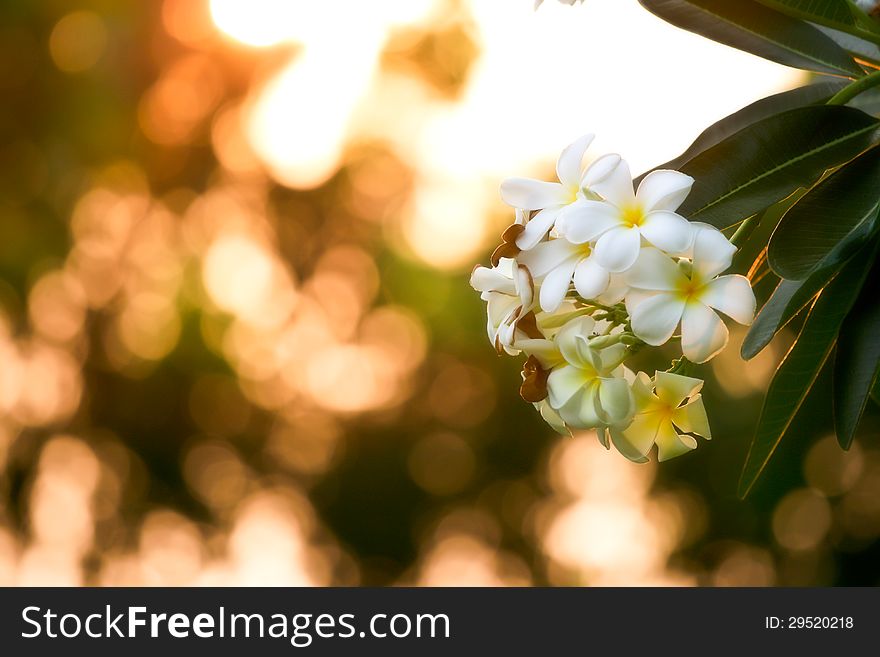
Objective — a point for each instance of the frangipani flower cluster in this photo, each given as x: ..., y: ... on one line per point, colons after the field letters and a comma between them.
x: 594, y: 269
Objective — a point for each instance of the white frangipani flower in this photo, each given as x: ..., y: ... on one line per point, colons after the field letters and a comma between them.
x: 576, y: 249
x: 624, y: 220
x: 555, y: 262
x: 509, y: 293
x: 586, y: 385
x: 664, y: 293
x: 550, y: 200
x: 667, y: 410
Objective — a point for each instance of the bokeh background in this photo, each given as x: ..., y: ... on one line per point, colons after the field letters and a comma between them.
x: 237, y: 344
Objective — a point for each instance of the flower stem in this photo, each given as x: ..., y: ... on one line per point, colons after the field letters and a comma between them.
x: 852, y: 90
x: 681, y: 366
x: 599, y: 306
x: 744, y: 230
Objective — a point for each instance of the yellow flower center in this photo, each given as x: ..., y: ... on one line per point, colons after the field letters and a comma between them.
x: 690, y: 289
x: 585, y: 250
x: 665, y: 411
x: 632, y: 215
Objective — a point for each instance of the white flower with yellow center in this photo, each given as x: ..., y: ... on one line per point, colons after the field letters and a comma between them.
x: 551, y: 200
x: 554, y: 263
x: 586, y: 386
x: 664, y: 293
x: 509, y: 293
x: 621, y: 222
x: 668, y: 411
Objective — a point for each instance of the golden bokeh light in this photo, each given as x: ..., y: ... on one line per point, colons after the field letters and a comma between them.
x: 77, y: 41
x: 801, y: 520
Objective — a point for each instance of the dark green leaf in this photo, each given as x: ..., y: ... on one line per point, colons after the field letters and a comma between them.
x: 801, y: 366
x: 750, y: 247
x: 867, y: 101
x: 825, y: 215
x: 858, y: 48
x: 857, y: 361
x: 768, y: 160
x: 790, y: 297
x: 833, y: 13
x: 752, y: 27
x: 769, y: 320
x: 766, y: 107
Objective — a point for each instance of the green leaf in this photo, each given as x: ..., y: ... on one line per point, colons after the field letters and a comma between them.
x: 855, y: 46
x: 833, y: 13
x: 770, y: 319
x: 867, y: 101
x: 790, y: 297
x: 801, y: 366
x: 825, y: 215
x: 752, y: 246
x: 766, y: 107
x: 768, y: 160
x: 752, y: 27
x: 857, y: 362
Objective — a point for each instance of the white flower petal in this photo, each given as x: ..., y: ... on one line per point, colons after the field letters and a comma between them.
x: 692, y: 418
x: 537, y: 228
x: 555, y: 285
x: 615, y: 185
x: 667, y: 231
x: 664, y: 190
x: 500, y: 309
x: 609, y: 358
x: 530, y: 194
x: 570, y: 341
x: 506, y: 333
x: 590, y: 278
x: 713, y: 252
x: 672, y: 389
x: 568, y: 166
x: 670, y: 444
x: 643, y: 393
x: 618, y: 249
x: 500, y: 306
x: 484, y: 279
x: 581, y: 411
x: 585, y: 220
x: 635, y: 296
x: 617, y: 290
x: 625, y: 449
x: 615, y: 401
x: 703, y: 334
x: 552, y: 418
x: 525, y: 287
x: 545, y: 351
x: 732, y: 295
x: 654, y: 319
x: 588, y: 357
x: 602, y: 437
x: 654, y: 270
x: 600, y: 169
x: 546, y: 256
x: 638, y: 438
x: 563, y: 383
